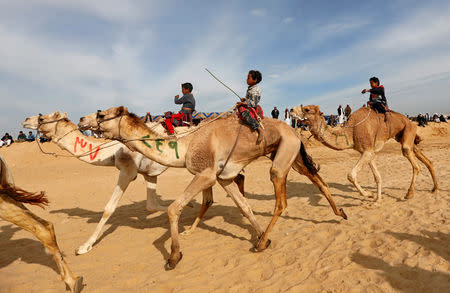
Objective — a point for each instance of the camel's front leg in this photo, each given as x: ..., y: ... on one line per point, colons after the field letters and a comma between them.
x: 125, y: 177
x: 352, y: 176
x: 152, y: 198
x: 376, y: 176
x: 232, y: 188
x: 11, y: 211
x: 201, y: 181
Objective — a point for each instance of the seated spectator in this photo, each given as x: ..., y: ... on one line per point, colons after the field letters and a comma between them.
x: 442, y: 118
x: 30, y: 137
x: 148, y: 118
x: 421, y: 120
x: 6, y: 140
x: 21, y: 137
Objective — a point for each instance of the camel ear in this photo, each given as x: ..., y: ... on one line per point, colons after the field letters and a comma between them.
x: 64, y: 115
x: 121, y: 110
x: 318, y: 109
x: 57, y: 114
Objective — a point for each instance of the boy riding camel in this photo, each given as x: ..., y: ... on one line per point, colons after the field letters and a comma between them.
x: 248, y: 108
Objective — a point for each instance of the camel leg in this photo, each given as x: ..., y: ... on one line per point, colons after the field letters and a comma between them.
x: 407, y: 152
x: 376, y: 176
x: 125, y: 177
x: 152, y: 198
x: 428, y: 164
x: 352, y: 176
x: 201, y: 181
x: 278, y: 177
x: 238, y: 198
x: 318, y: 181
x: 207, y: 202
x: 18, y: 214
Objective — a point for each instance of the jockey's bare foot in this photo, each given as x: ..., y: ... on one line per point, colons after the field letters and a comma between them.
x: 260, y: 135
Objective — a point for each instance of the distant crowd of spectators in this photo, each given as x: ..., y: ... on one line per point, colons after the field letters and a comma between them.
x: 7, y: 139
x: 423, y: 120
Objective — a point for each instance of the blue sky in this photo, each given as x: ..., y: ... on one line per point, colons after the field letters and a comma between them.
x: 78, y: 56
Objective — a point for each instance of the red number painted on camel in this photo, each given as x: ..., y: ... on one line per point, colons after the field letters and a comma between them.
x: 83, y: 144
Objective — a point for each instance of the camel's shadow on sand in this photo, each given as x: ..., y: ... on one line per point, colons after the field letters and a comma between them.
x: 27, y: 250
x: 134, y: 215
x: 412, y: 279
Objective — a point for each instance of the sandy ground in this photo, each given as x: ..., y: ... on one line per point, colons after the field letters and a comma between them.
x: 400, y: 246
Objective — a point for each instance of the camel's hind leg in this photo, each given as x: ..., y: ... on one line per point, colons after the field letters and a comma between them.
x: 352, y: 176
x: 320, y: 183
x: 152, y: 204
x: 207, y: 202
x: 429, y: 165
x: 125, y: 177
x: 408, y: 153
x: 18, y: 214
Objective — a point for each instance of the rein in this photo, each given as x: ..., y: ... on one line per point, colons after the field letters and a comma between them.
x: 59, y: 139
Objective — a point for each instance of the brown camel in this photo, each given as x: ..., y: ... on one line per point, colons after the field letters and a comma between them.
x: 66, y: 135
x: 366, y: 132
x: 12, y: 210
x: 217, y: 151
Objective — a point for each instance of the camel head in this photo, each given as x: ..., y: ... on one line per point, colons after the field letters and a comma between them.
x: 108, y: 121
x: 89, y: 121
x: 311, y: 114
x: 46, y: 124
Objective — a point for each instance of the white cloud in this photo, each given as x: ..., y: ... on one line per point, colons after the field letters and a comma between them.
x: 258, y: 12
x: 288, y: 19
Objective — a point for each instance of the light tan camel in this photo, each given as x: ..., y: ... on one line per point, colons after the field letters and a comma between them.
x: 12, y: 210
x: 217, y: 151
x: 113, y: 154
x: 366, y: 132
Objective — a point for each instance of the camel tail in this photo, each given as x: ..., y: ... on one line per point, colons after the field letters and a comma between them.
x: 308, y: 161
x: 23, y: 196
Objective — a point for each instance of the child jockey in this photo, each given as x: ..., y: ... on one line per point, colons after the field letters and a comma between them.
x: 248, y: 107
x: 188, y: 102
x: 377, y: 100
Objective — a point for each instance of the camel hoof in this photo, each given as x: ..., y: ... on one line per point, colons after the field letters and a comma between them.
x: 409, y: 196
x: 170, y: 265
x: 343, y: 214
x: 434, y: 190
x: 82, y: 250
x: 186, y: 233
x: 78, y: 285
x: 257, y: 248
x: 153, y: 209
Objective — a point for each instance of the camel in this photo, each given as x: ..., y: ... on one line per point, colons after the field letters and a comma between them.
x: 13, y: 210
x: 366, y: 132
x: 94, y: 151
x: 217, y: 151
x: 113, y: 154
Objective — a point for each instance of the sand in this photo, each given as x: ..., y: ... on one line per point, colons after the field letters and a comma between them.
x: 399, y: 246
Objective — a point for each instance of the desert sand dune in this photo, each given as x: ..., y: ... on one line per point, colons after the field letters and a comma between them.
x: 398, y: 246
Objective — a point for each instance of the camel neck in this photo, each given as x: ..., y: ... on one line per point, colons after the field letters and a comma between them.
x: 88, y: 149
x: 166, y: 151
x: 339, y: 138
